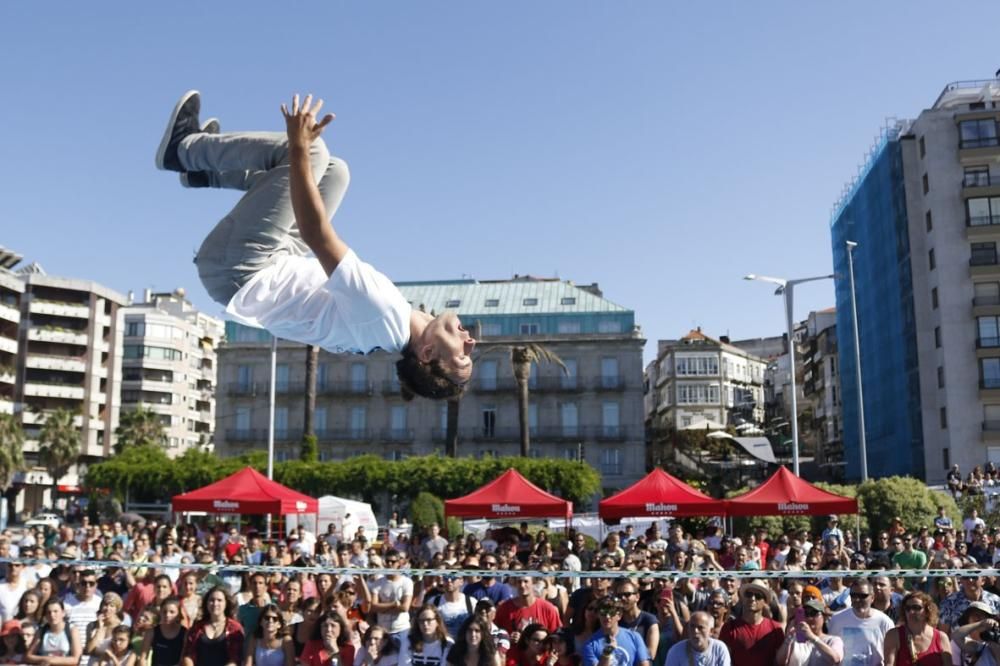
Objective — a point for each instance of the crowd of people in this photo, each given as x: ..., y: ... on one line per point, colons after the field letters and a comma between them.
x: 553, y: 601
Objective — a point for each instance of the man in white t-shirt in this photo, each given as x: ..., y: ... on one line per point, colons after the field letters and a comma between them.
x: 276, y: 262
x: 971, y: 523
x: 11, y: 590
x: 861, y: 627
x: 390, y: 598
x: 453, y: 605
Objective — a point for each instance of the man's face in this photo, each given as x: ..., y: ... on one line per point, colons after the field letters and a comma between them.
x: 609, y: 617
x: 630, y: 596
x: 86, y: 587
x: 526, y: 586
x: 259, y: 586
x: 754, y: 601
x: 700, y: 631
x: 972, y: 586
x: 861, y: 597
x: 881, y: 588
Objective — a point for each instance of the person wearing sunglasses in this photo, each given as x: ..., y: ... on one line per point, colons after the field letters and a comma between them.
x: 917, y: 641
x: 753, y: 636
x: 861, y: 627
x: 970, y: 590
x: 807, y: 644
x: 613, y: 645
x: 269, y: 645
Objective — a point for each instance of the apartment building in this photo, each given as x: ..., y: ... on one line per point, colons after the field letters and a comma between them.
x: 928, y: 289
x: 169, y: 366
x: 820, y: 380
x: 592, y: 409
x: 70, y: 353
x: 699, y: 378
x: 11, y: 293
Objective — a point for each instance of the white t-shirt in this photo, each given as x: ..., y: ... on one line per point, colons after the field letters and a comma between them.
x: 385, y: 591
x: 355, y: 310
x: 863, y: 638
x: 970, y: 525
x: 10, y: 597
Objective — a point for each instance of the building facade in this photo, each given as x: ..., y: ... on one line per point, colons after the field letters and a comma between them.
x: 169, y: 366
x: 820, y: 379
x: 592, y: 409
x: 698, y: 378
x: 11, y: 294
x: 69, y: 357
x: 928, y: 289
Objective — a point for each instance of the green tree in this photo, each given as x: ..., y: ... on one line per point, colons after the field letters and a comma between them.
x: 58, y: 445
x: 310, y: 449
x: 11, y: 449
x: 139, y: 427
x: 426, y: 509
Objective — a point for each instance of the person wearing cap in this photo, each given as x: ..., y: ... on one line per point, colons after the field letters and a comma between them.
x: 613, y: 645
x: 917, y: 641
x: 752, y: 636
x: 861, y: 627
x: 806, y: 644
x: 967, y: 639
x: 486, y: 610
x: 970, y: 590
x: 699, y: 647
x: 12, y: 645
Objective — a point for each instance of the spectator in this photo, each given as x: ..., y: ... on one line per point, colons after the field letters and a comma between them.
x: 753, y: 636
x: 971, y: 523
x: 429, y: 640
x: 11, y: 591
x: 379, y: 648
x: 453, y: 605
x: 119, y: 652
x: 942, y: 521
x: 637, y: 620
x: 807, y: 644
x: 270, y: 645
x: 530, y: 647
x: 861, y: 627
x: 434, y: 544
x: 474, y: 646
x: 955, y: 604
x: 162, y: 645
x: 57, y: 644
x: 699, y: 647
x: 917, y: 640
x: 390, y: 598
x: 82, y: 607
x: 613, y: 645
x: 98, y: 632
x: 332, y: 646
x: 249, y: 613
x: 217, y: 638
x: 13, y: 648
x: 954, y: 479
x: 526, y: 607
x: 487, y: 611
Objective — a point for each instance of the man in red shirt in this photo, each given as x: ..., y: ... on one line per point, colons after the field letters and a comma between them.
x: 754, y: 637
x: 525, y: 608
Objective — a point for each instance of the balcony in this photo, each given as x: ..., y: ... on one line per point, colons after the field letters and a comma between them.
x: 6, y: 406
x: 991, y: 431
x: 398, y: 435
x: 987, y: 343
x: 609, y: 383
x: 59, y: 309
x: 505, y: 385
x: 8, y: 345
x: 7, y: 377
x: 985, y: 301
x: 610, y: 433
x: 344, y: 435
x: 348, y: 388
x: 55, y: 335
x: 243, y: 388
x: 259, y: 435
x: 978, y: 148
x: 38, y: 418
x: 10, y: 313
x: 52, y: 362
x: 482, y: 434
x: 65, y: 391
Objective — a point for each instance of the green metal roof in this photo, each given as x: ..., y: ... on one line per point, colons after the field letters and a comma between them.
x: 512, y: 297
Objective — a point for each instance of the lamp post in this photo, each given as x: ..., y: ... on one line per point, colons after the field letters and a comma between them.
x: 270, y: 419
x: 857, y: 363
x: 786, y: 289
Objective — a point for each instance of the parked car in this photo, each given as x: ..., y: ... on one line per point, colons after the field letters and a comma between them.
x: 43, y: 520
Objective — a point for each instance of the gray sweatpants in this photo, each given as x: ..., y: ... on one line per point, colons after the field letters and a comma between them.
x: 262, y: 225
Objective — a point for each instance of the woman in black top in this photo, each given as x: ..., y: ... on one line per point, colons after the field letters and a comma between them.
x: 162, y: 645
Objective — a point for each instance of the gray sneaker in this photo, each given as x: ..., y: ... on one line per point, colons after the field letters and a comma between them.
x: 183, y: 122
x: 200, y: 178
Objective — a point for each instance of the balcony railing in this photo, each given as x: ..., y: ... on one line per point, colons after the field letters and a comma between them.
x: 398, y: 435
x: 979, y: 142
x: 991, y: 426
x: 983, y: 260
x: 989, y: 383
x: 976, y: 179
x: 980, y: 301
x: 609, y: 383
x: 343, y: 435
x: 347, y: 388
x: 986, y: 343
x: 982, y: 220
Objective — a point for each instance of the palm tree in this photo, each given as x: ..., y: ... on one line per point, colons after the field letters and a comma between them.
x: 521, y: 359
x: 309, y: 451
x: 11, y: 450
x: 451, y: 432
x: 58, y: 445
x: 139, y: 427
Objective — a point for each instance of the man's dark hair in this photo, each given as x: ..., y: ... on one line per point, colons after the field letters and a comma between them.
x: 428, y: 380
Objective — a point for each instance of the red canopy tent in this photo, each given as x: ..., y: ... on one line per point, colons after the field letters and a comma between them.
x: 245, y: 492
x: 785, y: 494
x: 659, y: 494
x: 509, y: 496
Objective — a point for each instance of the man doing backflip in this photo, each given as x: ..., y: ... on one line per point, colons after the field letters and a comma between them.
x: 276, y: 262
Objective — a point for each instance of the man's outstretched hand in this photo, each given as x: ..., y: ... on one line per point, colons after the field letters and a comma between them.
x: 301, y: 123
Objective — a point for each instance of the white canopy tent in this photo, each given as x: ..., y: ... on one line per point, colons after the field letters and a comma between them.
x: 347, y: 515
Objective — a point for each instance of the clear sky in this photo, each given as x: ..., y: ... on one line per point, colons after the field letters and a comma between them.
x: 661, y: 149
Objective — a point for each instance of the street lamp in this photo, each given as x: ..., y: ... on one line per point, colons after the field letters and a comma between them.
x: 857, y: 363
x: 786, y: 288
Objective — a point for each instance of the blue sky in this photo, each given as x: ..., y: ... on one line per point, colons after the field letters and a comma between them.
x: 661, y: 149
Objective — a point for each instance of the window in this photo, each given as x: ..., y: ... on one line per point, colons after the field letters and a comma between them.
x: 488, y: 375
x: 989, y: 371
x: 976, y: 176
x: 359, y: 377
x: 359, y: 422
x: 937, y: 337
x: 152, y: 353
x: 533, y: 419
x: 134, y: 329
x: 991, y: 417
x: 489, y: 415
x: 570, y: 453
x: 609, y: 419
x: 945, y: 458
x: 983, y: 254
x: 568, y: 419
x: 698, y: 394
x: 323, y: 376
x: 943, y: 416
x: 453, y: 303
x: 989, y: 331
x: 611, y: 461
x: 492, y: 328
x: 977, y: 133
x: 245, y: 377
x: 397, y: 421
x: 567, y: 300
x: 568, y: 380
x: 982, y: 211
x: 923, y: 148
x: 926, y: 184
x: 986, y: 293
x: 281, y: 378
x: 928, y: 220
x: 934, y: 298
x: 533, y: 376
x: 319, y: 420
x: 527, y: 302
x: 940, y: 377
x: 931, y: 261
x: 281, y: 422
x: 530, y: 329
x: 243, y: 419
x: 569, y: 326
x: 492, y: 303
x: 609, y: 372
x: 609, y: 326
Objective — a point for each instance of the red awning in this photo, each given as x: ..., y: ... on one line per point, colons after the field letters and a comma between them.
x: 785, y: 494
x: 247, y: 492
x: 509, y: 496
x: 659, y: 494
